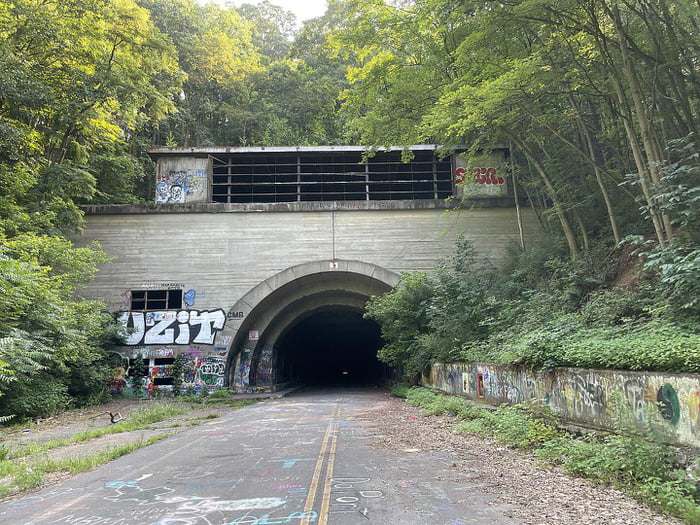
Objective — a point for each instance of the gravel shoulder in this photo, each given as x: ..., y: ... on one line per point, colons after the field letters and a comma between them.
x: 534, y: 492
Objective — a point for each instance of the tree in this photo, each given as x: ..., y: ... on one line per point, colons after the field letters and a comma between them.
x: 590, y: 82
x: 216, y: 56
x: 429, y: 318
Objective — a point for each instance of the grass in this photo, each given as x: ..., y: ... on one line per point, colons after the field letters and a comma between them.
x: 23, y: 467
x: 31, y: 472
x: 635, y: 460
x: 139, y: 420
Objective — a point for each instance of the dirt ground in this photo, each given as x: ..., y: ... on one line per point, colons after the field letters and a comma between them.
x: 535, y: 493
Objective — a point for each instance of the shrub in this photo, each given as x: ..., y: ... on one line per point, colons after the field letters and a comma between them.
x: 527, y: 425
x: 400, y: 390
x: 222, y: 393
x: 35, y: 396
x: 439, y: 404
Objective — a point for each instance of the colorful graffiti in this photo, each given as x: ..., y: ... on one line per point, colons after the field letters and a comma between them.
x: 181, y: 186
x: 588, y: 397
x: 668, y: 403
x: 118, y: 381
x: 203, y: 371
x: 172, y: 327
x: 189, y: 297
x: 263, y: 374
x: 242, y: 375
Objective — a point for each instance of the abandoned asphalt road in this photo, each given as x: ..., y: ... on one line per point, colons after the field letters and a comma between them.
x: 307, y: 458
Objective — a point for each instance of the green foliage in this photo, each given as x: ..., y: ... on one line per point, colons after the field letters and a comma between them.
x: 137, y: 372
x: 118, y: 176
x: 678, y: 262
x: 527, y: 425
x: 400, y: 390
x: 428, y: 317
x: 619, y: 460
x: 444, y: 405
x: 35, y: 396
x: 222, y: 393
x: 635, y: 459
x: 403, y: 316
x: 28, y: 475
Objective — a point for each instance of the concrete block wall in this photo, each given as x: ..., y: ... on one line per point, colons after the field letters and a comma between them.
x: 582, y: 396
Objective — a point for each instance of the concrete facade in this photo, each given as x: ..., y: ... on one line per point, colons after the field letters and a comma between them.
x: 581, y: 396
x: 249, y: 271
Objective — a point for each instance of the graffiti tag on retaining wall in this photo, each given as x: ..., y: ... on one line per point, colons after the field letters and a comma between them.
x: 172, y: 327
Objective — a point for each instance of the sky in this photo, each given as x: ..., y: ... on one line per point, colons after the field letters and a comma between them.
x: 303, y: 9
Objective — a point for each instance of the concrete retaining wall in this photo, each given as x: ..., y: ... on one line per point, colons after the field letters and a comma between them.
x: 582, y: 396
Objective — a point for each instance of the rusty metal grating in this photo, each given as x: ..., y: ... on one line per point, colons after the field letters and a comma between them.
x: 329, y: 176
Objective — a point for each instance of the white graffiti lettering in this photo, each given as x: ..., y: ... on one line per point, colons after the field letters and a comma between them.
x: 185, y: 327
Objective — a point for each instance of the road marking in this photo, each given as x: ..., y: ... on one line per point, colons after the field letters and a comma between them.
x: 309, y: 505
x: 325, y: 503
x: 329, y: 437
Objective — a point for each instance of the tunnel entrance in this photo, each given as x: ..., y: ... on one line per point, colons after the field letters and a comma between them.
x: 305, y: 325
x: 333, y: 346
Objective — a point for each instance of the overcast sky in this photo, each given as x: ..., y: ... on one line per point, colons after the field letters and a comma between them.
x: 303, y: 9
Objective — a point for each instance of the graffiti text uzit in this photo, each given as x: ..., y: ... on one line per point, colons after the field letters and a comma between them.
x: 172, y: 327
x: 478, y: 176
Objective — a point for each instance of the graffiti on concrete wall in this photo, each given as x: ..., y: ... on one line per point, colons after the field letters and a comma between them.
x: 263, y: 375
x: 590, y: 397
x: 480, y: 176
x: 117, y: 383
x: 180, y: 186
x: 172, y: 327
x: 203, y: 371
x: 189, y: 297
x: 242, y: 375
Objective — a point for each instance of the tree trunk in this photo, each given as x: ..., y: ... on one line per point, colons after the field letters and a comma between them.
x: 518, y: 214
x: 651, y: 146
x: 551, y: 193
x: 626, y: 115
x: 588, y: 140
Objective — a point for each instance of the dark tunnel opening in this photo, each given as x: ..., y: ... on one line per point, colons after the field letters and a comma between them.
x: 333, y: 346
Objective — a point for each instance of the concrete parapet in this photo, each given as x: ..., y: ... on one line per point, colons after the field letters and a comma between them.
x: 582, y: 396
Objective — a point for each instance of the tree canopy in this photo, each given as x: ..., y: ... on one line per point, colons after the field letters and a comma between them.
x: 596, y: 101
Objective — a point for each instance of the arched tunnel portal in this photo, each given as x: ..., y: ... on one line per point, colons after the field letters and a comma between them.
x: 306, y: 326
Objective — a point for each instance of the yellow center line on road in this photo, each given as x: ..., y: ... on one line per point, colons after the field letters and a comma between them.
x: 325, y: 502
x: 330, y: 436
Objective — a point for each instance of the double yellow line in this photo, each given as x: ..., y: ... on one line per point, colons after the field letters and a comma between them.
x: 325, y: 457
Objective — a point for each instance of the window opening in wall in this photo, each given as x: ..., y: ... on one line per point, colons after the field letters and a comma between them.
x: 162, y: 371
x: 156, y: 299
x: 329, y: 176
